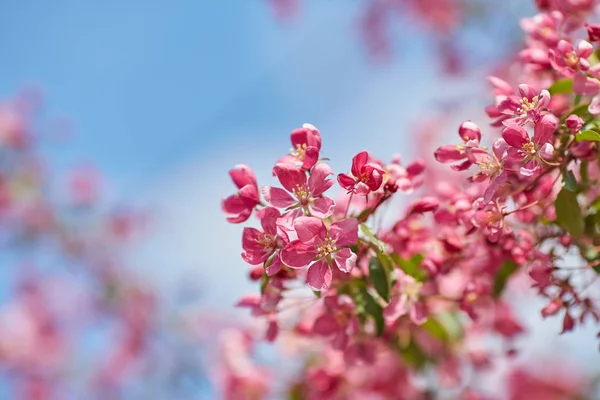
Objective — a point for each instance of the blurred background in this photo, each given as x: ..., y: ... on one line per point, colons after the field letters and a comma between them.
x: 163, y: 100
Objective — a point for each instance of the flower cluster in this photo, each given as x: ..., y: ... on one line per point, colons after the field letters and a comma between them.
x: 417, y: 292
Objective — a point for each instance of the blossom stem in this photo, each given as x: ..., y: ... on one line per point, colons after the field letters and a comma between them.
x: 348, y: 205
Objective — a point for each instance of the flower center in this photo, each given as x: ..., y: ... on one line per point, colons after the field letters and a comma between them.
x: 529, y: 148
x: 412, y: 288
x: 326, y: 248
x: 526, y: 105
x: 545, y: 32
x: 302, y: 194
x: 571, y: 59
x: 266, y: 240
x: 299, y: 152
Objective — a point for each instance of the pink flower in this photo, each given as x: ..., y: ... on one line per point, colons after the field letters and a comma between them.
x: 259, y: 246
x: 491, y: 166
x: 243, y: 202
x: 306, y: 145
x: 489, y: 216
x: 304, y: 193
x: 470, y: 133
x: 574, y: 123
x: 339, y: 323
x: 366, y: 178
x: 405, y: 299
x: 543, y: 27
x: 568, y: 59
x: 526, y: 108
x: 530, y: 153
x: 320, y: 247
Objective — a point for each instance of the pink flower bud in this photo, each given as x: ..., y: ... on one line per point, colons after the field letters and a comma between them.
x: 256, y: 273
x: 574, y: 123
x: 552, y: 308
x: 593, y: 32
x: 469, y: 130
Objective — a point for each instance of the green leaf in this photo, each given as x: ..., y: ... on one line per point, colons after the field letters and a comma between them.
x: 579, y: 110
x: 372, y: 237
x: 363, y: 215
x: 502, y: 276
x: 411, y: 267
x: 436, y: 329
x: 373, y: 310
x: 563, y: 86
x: 568, y: 213
x: 413, y: 355
x: 380, y: 278
x: 452, y: 324
x: 570, y: 183
x: 589, y: 135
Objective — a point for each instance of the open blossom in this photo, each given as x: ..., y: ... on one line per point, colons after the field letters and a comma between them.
x: 530, y: 153
x: 259, y: 246
x: 490, y: 217
x: 470, y: 133
x: 301, y: 192
x: 568, y: 59
x: 243, y: 202
x: 306, y: 146
x: 320, y: 247
x: 491, y: 166
x: 366, y: 177
x: 544, y: 27
x: 405, y: 299
x: 527, y: 107
x: 338, y: 322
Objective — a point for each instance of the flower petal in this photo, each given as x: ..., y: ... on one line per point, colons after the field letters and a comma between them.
x: 344, y: 232
x: 290, y: 176
x: 298, y: 254
x: 515, y: 135
x: 544, y: 128
x: 344, y: 260
x: 318, y: 182
x: 275, y: 266
x: 319, y: 276
x: 277, y: 197
x: 268, y: 219
x: 358, y: 163
x: 325, y: 325
x: 308, y: 228
x: 322, y: 207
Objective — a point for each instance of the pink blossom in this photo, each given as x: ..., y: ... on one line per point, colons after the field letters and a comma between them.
x: 339, y: 322
x: 320, y: 247
x: 544, y: 27
x: 568, y: 59
x: 525, y: 108
x: 530, y: 153
x: 406, y: 299
x: 470, y: 133
x: 259, y: 246
x: 306, y: 146
x: 366, y: 177
x: 243, y: 202
x: 306, y: 194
